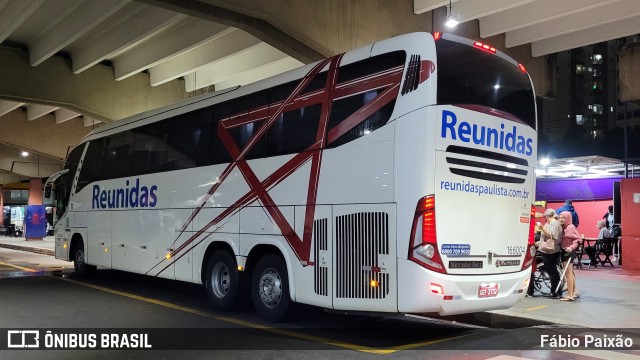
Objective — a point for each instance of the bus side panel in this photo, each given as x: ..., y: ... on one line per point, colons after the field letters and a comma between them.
x: 125, y: 235
x: 360, y: 171
x: 255, y: 219
x: 155, y: 227
x: 365, y: 275
x: 99, y: 238
x: 415, y: 166
x: 314, y: 283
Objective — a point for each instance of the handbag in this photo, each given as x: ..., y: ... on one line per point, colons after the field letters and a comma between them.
x: 547, y: 246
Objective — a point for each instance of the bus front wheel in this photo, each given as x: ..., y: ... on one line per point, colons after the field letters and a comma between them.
x: 223, y: 281
x: 270, y: 288
x: 79, y: 261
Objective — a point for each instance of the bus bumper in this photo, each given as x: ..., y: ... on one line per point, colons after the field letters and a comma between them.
x: 460, y: 293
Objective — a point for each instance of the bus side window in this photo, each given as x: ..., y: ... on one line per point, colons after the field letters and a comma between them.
x: 294, y: 131
x: 356, y: 73
x: 343, y: 108
x: 188, y: 138
x: 117, y: 155
x: 250, y: 108
x: 149, y: 148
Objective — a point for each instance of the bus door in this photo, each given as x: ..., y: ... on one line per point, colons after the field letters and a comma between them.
x: 484, y: 183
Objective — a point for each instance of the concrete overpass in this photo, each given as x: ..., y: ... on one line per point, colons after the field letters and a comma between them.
x: 68, y: 65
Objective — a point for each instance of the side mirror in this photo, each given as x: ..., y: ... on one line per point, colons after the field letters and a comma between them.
x: 47, y: 190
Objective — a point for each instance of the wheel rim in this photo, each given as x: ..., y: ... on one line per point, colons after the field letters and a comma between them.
x: 80, y: 257
x: 220, y: 280
x: 270, y: 288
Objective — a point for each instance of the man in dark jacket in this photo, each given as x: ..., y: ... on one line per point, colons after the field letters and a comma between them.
x: 569, y: 207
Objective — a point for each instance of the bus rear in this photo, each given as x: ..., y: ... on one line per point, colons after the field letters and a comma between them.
x: 470, y: 240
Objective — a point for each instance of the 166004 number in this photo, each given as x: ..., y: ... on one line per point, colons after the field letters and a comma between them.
x: 515, y: 250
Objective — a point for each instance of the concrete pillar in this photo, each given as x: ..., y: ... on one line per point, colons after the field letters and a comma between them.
x: 35, y: 198
x: 35, y: 191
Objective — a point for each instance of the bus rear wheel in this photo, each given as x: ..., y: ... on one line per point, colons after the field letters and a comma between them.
x: 79, y: 261
x: 270, y: 288
x: 223, y: 281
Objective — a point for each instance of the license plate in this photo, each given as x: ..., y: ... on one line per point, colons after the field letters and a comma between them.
x: 488, y: 290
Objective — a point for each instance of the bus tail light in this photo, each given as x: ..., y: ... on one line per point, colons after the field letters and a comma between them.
x: 530, y: 253
x: 437, y: 35
x: 522, y: 68
x: 423, y: 248
x: 484, y: 47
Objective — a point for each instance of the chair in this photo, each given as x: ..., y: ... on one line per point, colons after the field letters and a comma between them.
x: 605, y: 247
x: 11, y: 230
x: 579, y: 253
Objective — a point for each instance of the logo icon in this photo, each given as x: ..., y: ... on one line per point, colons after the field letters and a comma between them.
x: 22, y: 339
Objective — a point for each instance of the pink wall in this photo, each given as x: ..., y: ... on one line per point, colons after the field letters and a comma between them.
x: 589, y: 212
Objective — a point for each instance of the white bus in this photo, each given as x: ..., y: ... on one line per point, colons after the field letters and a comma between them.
x: 397, y: 177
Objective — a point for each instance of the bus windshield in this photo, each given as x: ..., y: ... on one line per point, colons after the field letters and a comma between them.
x: 64, y: 182
x: 467, y: 75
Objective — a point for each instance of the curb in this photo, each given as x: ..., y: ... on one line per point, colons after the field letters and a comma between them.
x: 28, y: 249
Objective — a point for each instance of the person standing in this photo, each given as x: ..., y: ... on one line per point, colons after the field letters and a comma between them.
x: 568, y: 206
x: 552, y: 231
x: 608, y: 217
x: 569, y: 244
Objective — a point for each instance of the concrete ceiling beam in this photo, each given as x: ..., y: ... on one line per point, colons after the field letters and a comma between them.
x: 185, y: 36
x: 8, y: 106
x: 63, y: 115
x: 535, y: 13
x: 89, y: 121
x: 73, y: 26
x: 14, y: 13
x: 472, y: 10
x: 584, y: 20
x: 35, y: 111
x: 225, y: 45
x: 41, y: 139
x: 138, y: 27
x: 422, y: 6
x: 255, y: 26
x: 251, y: 58
x: 93, y: 92
x: 589, y: 36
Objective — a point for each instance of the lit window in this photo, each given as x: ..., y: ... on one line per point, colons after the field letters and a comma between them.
x: 598, y: 108
x: 597, y: 59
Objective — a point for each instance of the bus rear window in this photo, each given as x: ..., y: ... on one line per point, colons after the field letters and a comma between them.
x: 467, y: 75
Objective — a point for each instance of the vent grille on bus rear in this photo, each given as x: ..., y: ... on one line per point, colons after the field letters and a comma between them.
x: 412, y: 78
x: 360, y: 239
x: 320, y: 280
x: 487, y: 165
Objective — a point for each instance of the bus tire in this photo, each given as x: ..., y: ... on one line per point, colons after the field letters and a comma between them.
x: 79, y: 261
x: 270, y: 288
x: 223, y: 281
